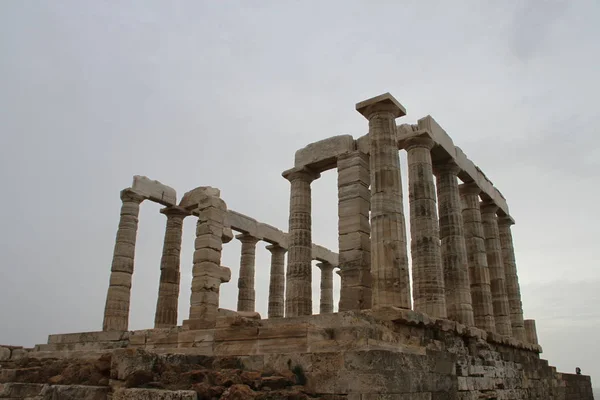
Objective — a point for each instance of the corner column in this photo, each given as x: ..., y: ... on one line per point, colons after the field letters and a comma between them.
x: 326, y: 303
x: 116, y: 310
x: 168, y: 290
x: 298, y: 299
x: 513, y: 290
x: 354, y: 202
x: 246, y: 294
x: 428, y: 274
x: 389, y: 258
x: 496, y: 268
x: 479, y: 274
x: 454, y: 250
x: 531, y: 331
x: 207, y: 273
x: 277, y: 281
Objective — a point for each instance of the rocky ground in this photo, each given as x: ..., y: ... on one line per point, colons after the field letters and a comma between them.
x: 209, y: 377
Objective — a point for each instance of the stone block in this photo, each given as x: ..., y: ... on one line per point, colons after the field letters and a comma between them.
x: 100, y: 336
x: 242, y: 223
x: 236, y: 348
x: 322, y: 155
x: 194, y: 197
x: 4, y: 353
x: 322, y: 254
x: 272, y: 235
x: 154, y: 190
x: 154, y: 394
x: 282, y: 345
x: 438, y: 134
x: 383, y: 101
x: 75, y: 392
x: 285, y: 331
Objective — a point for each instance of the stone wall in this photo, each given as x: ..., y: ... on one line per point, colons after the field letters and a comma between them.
x: 384, y: 354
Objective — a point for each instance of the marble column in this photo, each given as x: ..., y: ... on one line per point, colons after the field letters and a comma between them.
x: 299, y: 269
x: 427, y: 272
x: 246, y: 294
x: 326, y: 304
x: 277, y: 281
x: 389, y: 258
x: 530, y: 331
x: 207, y: 272
x: 116, y: 311
x: 354, y: 202
x: 479, y: 274
x: 168, y: 289
x: 454, y: 250
x: 513, y: 290
x: 496, y: 268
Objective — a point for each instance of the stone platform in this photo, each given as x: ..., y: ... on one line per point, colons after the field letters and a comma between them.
x: 387, y: 353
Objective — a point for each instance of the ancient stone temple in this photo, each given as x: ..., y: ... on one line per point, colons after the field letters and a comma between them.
x: 448, y: 325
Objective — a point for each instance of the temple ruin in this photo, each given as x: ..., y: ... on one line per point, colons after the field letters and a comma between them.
x: 459, y: 334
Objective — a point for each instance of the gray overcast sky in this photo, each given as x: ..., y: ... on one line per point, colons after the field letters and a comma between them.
x: 223, y: 93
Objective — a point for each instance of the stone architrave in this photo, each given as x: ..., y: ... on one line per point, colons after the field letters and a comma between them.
x: 513, y: 290
x: 354, y: 202
x: 298, y: 299
x: 116, y: 311
x: 277, y: 281
x: 530, y: 331
x: 496, y: 268
x: 326, y: 303
x: 454, y: 251
x: 168, y: 290
x: 207, y: 273
x: 246, y: 293
x: 479, y: 274
x: 427, y: 271
x: 389, y: 258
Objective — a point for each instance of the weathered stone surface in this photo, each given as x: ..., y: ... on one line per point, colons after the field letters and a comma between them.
x: 192, y: 198
x: 322, y: 155
x: 154, y: 190
x: 153, y: 394
x: 496, y: 268
x: 116, y: 310
x: 246, y: 293
x: 326, y: 303
x: 427, y: 271
x: 276, y: 282
x: 453, y: 247
x: 389, y: 259
x: 299, y: 270
x: 479, y: 275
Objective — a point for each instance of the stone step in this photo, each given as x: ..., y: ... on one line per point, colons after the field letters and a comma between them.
x: 40, y: 391
x: 77, y: 354
x: 154, y: 394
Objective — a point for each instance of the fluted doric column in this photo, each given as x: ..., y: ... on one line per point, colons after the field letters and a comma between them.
x: 277, y: 281
x: 479, y: 274
x: 427, y: 271
x: 389, y: 258
x: 207, y: 272
x: 298, y: 299
x: 246, y: 294
x: 530, y: 331
x: 454, y: 251
x: 168, y: 289
x: 513, y: 290
x: 326, y: 303
x: 354, y: 202
x: 116, y: 310
x: 496, y: 268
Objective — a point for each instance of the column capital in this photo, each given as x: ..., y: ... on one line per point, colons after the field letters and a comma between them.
x: 505, y: 220
x: 325, y: 266
x: 301, y: 173
x: 384, y: 103
x: 276, y: 249
x: 450, y: 167
x: 419, y: 141
x: 488, y: 206
x: 469, y: 188
x: 130, y: 195
x: 247, y: 239
x: 175, y: 211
